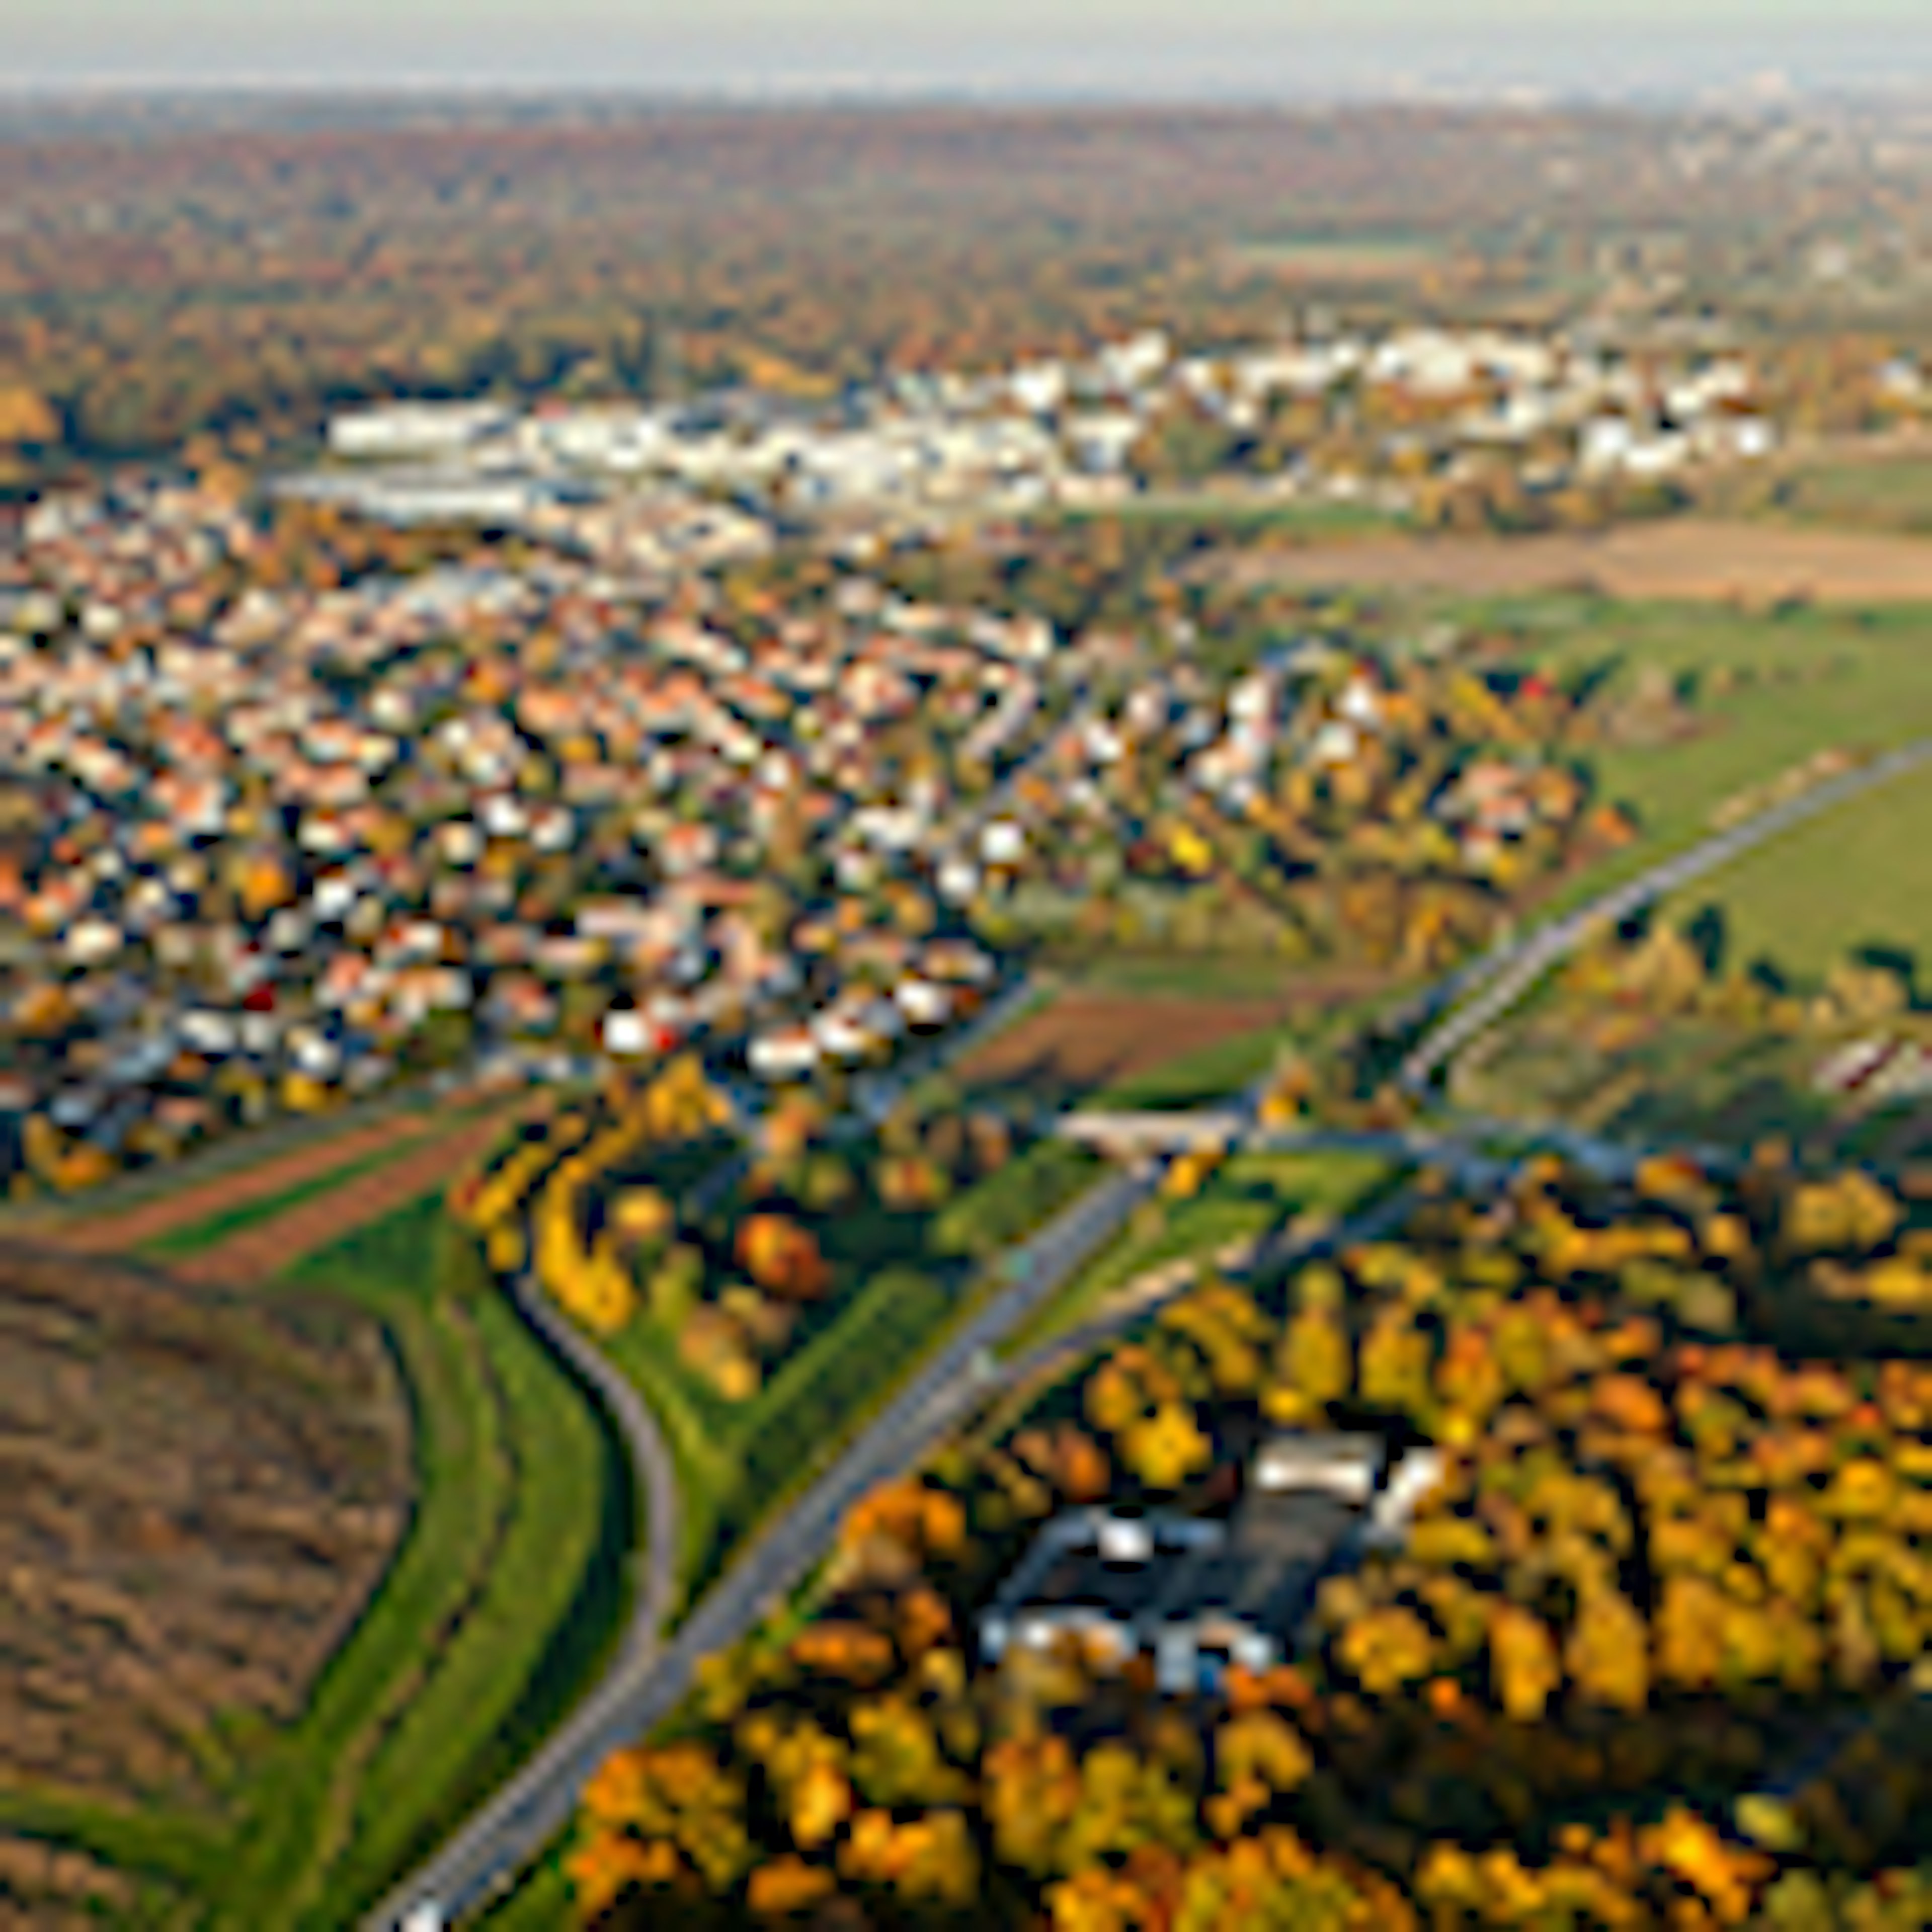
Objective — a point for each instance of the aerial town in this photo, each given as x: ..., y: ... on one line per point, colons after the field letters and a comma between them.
x: 952, y: 1018
x: 293, y: 840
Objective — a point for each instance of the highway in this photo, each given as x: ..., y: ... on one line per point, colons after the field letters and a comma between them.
x: 1505, y: 973
x: 650, y: 1680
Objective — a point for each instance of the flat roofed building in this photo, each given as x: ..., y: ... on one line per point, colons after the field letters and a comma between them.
x: 1199, y: 1595
x: 1094, y: 1577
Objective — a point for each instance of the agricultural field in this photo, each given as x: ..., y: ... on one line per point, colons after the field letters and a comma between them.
x: 476, y: 1592
x: 160, y: 1213
x: 1347, y: 260
x: 310, y: 1219
x: 1150, y: 1030
x: 1686, y: 560
x: 1857, y: 881
x: 1887, y: 490
x: 1087, y: 1039
x: 210, y: 1498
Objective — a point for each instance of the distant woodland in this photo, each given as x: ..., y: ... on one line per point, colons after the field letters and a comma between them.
x: 168, y: 276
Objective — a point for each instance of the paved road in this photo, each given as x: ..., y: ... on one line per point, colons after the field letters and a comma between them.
x: 1505, y: 973
x: 650, y: 1681
x: 650, y: 1460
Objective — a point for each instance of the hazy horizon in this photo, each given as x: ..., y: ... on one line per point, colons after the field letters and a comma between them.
x: 1002, y: 49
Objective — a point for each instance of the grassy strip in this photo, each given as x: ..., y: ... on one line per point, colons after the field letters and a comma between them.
x: 541, y: 1901
x: 697, y: 1429
x: 1007, y: 1206
x: 817, y: 1400
x: 464, y: 1476
x: 182, y: 1242
x: 427, y: 1766
x: 1249, y: 1194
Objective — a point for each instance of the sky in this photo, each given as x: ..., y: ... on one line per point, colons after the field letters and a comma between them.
x: 1251, y: 49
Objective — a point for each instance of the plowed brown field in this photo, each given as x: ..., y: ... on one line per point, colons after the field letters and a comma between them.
x: 266, y: 1248
x: 1696, y: 560
x: 1088, y: 1039
x: 202, y: 1490
x: 221, y: 1194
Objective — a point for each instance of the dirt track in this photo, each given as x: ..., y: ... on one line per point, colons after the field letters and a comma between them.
x: 1695, y: 560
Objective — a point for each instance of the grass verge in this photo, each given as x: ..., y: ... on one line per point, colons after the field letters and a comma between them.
x: 917, y: 1275
x: 1248, y: 1194
x: 509, y: 1582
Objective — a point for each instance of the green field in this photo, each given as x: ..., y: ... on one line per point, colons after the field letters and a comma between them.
x: 507, y: 1587
x: 1237, y: 515
x: 1858, y: 880
x: 1248, y: 1194
x: 541, y: 1901
x: 914, y: 1274
x: 1764, y: 691
x: 1879, y: 492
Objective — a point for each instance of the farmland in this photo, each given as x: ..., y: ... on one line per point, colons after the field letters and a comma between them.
x: 1858, y: 880
x: 1687, y: 559
x: 1885, y: 489
x: 450, y: 1641
x: 365, y: 1194
x: 1087, y: 1039
x: 222, y: 1185
x: 179, y: 1583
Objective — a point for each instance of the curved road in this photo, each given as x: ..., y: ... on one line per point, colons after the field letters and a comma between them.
x: 650, y: 1679
x: 1504, y: 974
x: 650, y: 1461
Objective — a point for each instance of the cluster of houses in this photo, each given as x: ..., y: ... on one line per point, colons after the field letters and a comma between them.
x: 1396, y: 757
x: 1328, y: 415
x: 270, y: 836
x: 263, y: 846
